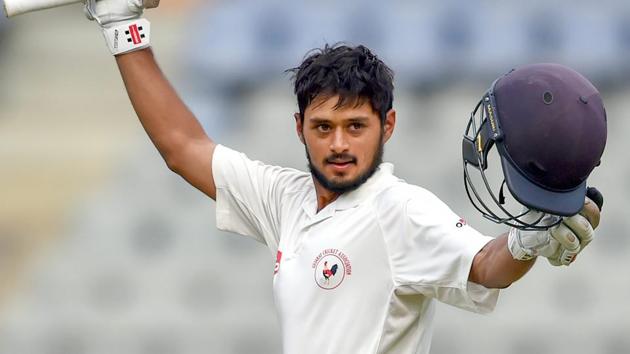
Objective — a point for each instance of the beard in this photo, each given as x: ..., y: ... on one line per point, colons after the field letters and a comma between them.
x: 346, y: 186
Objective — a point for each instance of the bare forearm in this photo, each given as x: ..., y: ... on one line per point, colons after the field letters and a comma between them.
x: 171, y: 126
x: 494, y: 267
x: 166, y: 119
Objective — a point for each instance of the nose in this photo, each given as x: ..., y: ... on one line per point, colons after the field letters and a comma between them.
x: 339, y: 142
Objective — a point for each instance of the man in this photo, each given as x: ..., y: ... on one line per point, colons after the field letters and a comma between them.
x: 361, y: 256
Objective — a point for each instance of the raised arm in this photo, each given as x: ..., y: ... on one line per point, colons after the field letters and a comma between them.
x: 173, y: 129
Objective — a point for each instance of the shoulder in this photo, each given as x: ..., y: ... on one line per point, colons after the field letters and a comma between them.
x: 414, y: 206
x: 293, y: 181
x: 408, y: 197
x: 238, y: 166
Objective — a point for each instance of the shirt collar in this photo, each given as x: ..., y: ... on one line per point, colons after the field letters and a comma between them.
x: 352, y: 199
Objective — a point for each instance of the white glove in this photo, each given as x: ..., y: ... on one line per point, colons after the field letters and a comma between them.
x: 560, y: 244
x: 123, y: 27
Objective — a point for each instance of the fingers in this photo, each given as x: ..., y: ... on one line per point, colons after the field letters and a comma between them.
x: 573, y: 234
x: 567, y: 257
x: 555, y: 253
x: 591, y: 212
x: 565, y: 236
x: 569, y: 244
x: 563, y: 257
x: 554, y: 262
x: 581, y: 228
x: 562, y: 243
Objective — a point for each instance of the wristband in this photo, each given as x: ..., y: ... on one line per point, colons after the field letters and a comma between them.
x: 128, y: 36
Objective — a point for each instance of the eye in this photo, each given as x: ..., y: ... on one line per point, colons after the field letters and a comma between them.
x: 356, y: 126
x: 323, y: 128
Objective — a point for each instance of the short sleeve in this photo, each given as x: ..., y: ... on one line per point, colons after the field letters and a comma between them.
x: 432, y: 254
x: 249, y: 195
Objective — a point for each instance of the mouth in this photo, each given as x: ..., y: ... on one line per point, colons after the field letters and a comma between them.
x: 341, y: 165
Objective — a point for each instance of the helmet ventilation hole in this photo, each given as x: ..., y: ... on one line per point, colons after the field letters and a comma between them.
x: 547, y: 97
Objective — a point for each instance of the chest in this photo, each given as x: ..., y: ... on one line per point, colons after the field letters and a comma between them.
x: 336, y: 259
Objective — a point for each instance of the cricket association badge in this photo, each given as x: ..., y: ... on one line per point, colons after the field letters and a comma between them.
x: 331, y: 267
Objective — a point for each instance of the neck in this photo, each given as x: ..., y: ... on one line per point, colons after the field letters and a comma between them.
x: 324, y: 196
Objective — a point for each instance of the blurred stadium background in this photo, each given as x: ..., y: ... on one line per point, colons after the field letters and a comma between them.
x: 103, y: 250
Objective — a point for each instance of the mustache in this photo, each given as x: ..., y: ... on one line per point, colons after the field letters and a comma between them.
x: 341, y: 158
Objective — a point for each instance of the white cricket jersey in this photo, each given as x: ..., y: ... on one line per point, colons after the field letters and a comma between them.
x: 361, y: 275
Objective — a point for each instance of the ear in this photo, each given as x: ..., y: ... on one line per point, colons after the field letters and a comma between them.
x: 388, y: 126
x: 299, y: 128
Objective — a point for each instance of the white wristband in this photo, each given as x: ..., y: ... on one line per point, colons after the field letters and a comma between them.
x: 128, y: 36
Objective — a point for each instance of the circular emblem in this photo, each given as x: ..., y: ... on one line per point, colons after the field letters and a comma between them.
x: 330, y: 272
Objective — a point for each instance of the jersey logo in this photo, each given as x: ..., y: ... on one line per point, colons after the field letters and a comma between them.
x: 461, y: 222
x: 331, y: 267
x: 278, y: 259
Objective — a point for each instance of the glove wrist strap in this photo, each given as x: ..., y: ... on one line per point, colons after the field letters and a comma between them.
x: 128, y: 36
x: 518, y: 251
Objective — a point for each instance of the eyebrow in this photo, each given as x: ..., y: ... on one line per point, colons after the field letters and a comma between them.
x: 359, y: 119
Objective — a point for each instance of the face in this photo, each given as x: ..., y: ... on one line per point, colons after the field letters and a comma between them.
x: 344, y: 145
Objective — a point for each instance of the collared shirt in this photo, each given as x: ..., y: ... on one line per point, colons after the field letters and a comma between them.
x: 362, y: 274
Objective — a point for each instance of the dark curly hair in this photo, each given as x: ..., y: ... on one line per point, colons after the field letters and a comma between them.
x: 353, y: 73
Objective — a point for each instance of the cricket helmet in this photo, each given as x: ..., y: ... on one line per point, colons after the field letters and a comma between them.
x: 548, y: 123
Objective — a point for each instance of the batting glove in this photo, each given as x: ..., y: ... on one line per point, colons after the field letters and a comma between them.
x: 561, y: 243
x: 123, y: 27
